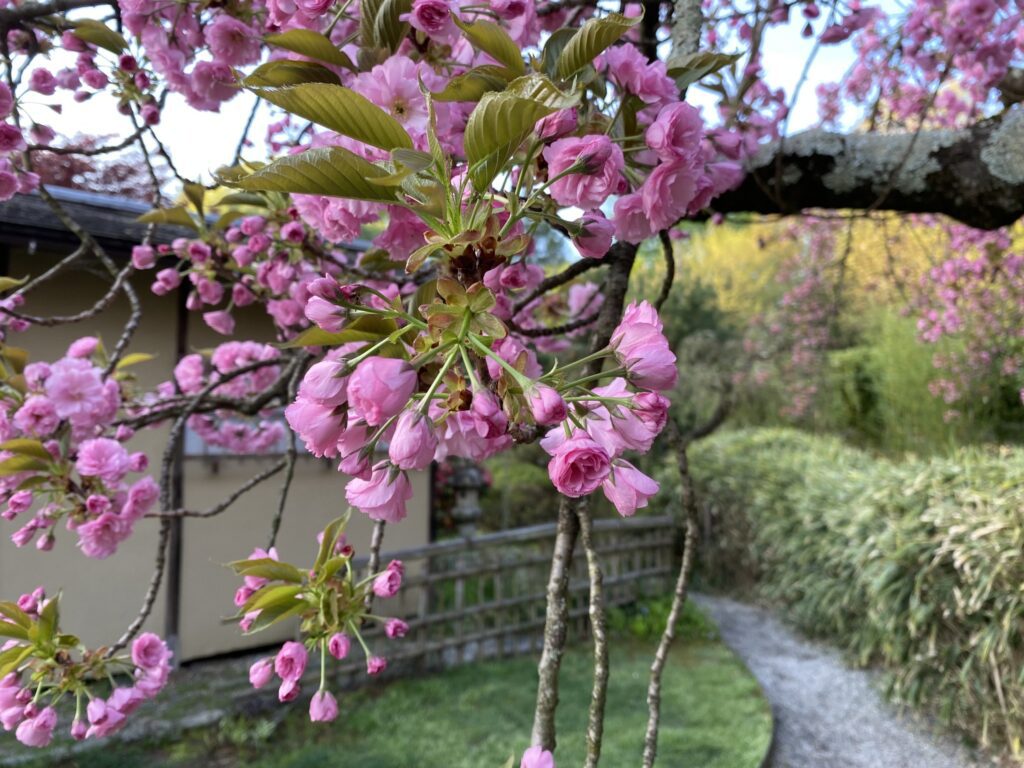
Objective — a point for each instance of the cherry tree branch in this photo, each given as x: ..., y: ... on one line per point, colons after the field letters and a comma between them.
x: 599, y: 629
x: 974, y: 175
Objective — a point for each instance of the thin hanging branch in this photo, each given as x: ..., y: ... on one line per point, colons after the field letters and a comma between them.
x: 599, y: 629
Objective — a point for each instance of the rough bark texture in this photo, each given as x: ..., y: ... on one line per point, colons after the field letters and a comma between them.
x: 620, y: 260
x: 687, y: 22
x: 975, y: 175
x: 599, y: 629
x: 556, y: 626
x: 668, y: 636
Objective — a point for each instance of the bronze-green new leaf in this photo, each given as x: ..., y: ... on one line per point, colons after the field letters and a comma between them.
x: 494, y: 41
x: 313, y: 45
x: 274, y: 74
x: 330, y: 171
x: 687, y: 70
x: 471, y: 85
x: 342, y: 110
x: 495, y: 129
x: 591, y: 39
x: 98, y: 33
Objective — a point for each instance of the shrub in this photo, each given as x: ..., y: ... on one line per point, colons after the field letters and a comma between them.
x: 916, y: 565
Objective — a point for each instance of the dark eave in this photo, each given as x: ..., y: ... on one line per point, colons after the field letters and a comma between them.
x: 111, y: 220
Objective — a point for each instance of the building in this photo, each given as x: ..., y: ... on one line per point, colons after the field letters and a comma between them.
x: 101, y: 597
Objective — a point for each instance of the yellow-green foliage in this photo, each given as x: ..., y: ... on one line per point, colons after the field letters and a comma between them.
x: 915, y: 565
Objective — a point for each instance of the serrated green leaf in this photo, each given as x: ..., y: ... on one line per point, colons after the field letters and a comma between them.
x: 553, y: 49
x: 134, y: 359
x: 331, y: 171
x: 591, y: 39
x: 289, y: 72
x: 16, y: 464
x: 49, y: 620
x: 267, y: 568
x: 243, y: 198
x: 471, y: 85
x: 196, y: 194
x: 494, y: 41
x: 12, y: 658
x: 539, y: 88
x: 270, y: 616
x: 312, y: 44
x: 412, y: 159
x: 7, y: 283
x: 271, y: 596
x: 26, y: 447
x: 228, y: 218
x: 328, y: 541
x: 687, y: 70
x: 388, y: 28
x: 362, y: 329
x: 495, y: 129
x: 9, y: 629
x: 177, y: 215
x: 98, y: 33
x: 342, y: 110
x: 12, y: 612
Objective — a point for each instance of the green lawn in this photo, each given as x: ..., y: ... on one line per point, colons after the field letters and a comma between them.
x: 713, y: 716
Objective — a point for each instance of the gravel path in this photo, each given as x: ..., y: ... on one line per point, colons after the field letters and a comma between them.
x: 827, y: 715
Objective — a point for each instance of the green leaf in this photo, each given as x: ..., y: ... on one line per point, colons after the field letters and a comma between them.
x: 243, y: 198
x: 270, y: 616
x: 364, y: 329
x: 510, y: 763
x: 289, y: 72
x: 49, y: 618
x: 178, y: 215
x: 9, y: 629
x: 271, y: 596
x: 687, y: 70
x: 306, y: 42
x: 591, y: 39
x: 388, y: 28
x: 12, y: 658
x: 342, y: 110
x: 134, y: 359
x: 267, y: 568
x: 494, y: 41
x: 196, y: 194
x: 25, y: 447
x: 540, y: 89
x: 98, y: 33
x: 12, y: 612
x: 553, y: 49
x: 16, y: 464
x: 331, y: 171
x: 495, y: 129
x: 471, y: 85
x: 7, y: 283
x: 16, y: 357
x: 328, y: 541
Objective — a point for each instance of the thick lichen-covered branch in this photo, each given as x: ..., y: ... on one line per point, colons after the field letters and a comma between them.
x: 974, y: 175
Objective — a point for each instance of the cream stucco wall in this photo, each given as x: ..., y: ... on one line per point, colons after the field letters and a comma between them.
x: 102, y: 597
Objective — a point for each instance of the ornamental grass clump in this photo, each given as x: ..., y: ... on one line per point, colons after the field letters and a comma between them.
x: 914, y: 565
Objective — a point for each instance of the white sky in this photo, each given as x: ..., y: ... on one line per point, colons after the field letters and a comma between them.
x: 199, y: 142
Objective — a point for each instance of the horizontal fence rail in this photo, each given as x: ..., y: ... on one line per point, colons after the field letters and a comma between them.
x: 482, y: 597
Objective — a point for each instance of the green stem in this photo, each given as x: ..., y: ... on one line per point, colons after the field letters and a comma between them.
x: 469, y: 367
x: 524, y: 382
x: 323, y: 663
x: 595, y: 377
x: 577, y: 363
x: 429, y: 394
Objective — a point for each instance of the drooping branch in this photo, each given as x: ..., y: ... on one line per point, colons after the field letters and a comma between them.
x: 974, y: 175
x: 10, y: 17
x: 556, y: 625
x: 599, y: 629
x: 619, y: 259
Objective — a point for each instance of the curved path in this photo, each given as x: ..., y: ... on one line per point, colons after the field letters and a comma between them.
x: 827, y: 715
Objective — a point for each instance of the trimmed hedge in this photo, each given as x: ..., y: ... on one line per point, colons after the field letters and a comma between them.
x: 917, y: 566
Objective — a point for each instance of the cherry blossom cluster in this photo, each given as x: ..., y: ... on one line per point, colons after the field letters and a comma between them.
x: 41, y: 665
x: 62, y: 456
x: 332, y: 603
x: 976, y: 299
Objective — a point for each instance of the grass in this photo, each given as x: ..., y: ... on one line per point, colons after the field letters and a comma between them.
x: 713, y: 716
